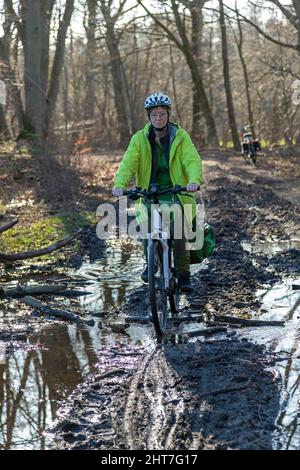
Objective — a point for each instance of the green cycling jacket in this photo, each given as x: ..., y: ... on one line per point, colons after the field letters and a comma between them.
x: 185, y: 164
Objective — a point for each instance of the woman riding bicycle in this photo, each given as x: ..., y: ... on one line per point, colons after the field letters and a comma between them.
x: 163, y: 153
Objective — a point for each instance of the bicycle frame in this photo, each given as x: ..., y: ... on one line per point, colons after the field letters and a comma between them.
x: 158, y: 233
x: 158, y: 236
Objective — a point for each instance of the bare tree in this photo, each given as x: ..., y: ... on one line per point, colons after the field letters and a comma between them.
x: 196, y: 11
x: 40, y: 86
x: 230, y: 107
x: 120, y: 84
x: 239, y: 42
x: 90, y: 87
x: 8, y: 67
x: 291, y: 13
x: 184, y: 44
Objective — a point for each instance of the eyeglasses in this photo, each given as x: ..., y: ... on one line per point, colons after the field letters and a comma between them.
x: 158, y: 116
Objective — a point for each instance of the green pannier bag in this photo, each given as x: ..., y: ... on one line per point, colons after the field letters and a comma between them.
x: 197, y: 256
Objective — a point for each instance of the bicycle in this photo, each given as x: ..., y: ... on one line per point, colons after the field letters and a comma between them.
x: 249, y: 147
x: 162, y: 276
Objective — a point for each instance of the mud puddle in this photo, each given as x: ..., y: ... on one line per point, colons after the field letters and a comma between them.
x: 35, y: 376
x: 282, y: 302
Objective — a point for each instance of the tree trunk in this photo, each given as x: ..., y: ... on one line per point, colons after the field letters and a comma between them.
x: 34, y: 93
x: 246, y: 78
x: 212, y: 137
x: 174, y: 89
x: 198, y: 131
x: 230, y: 107
x: 8, y: 72
x: 118, y: 77
x: 57, y: 64
x: 119, y: 92
x: 90, y: 87
x: 46, y: 9
x: 5, y: 130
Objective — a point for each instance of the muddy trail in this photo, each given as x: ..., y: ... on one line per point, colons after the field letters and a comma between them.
x: 214, y: 383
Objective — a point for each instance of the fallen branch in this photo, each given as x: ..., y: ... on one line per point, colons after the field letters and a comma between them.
x: 109, y: 373
x: 244, y: 322
x: 173, y: 320
x: 206, y: 332
x: 194, y: 314
x: 61, y: 314
x: 222, y: 323
x: 209, y: 361
x: 133, y: 353
x: 178, y: 320
x: 43, y: 251
x: 138, y: 319
x: 20, y: 291
x: 226, y: 390
x: 59, y: 289
x: 8, y: 225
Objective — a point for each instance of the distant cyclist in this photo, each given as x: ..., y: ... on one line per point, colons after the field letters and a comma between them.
x: 249, y: 141
x: 163, y: 153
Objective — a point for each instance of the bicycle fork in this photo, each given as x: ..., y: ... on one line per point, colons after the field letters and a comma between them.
x: 157, y: 233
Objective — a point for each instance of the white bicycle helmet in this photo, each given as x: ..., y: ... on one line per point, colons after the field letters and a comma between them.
x: 157, y: 99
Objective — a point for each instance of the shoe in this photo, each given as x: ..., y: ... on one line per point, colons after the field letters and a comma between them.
x: 185, y: 282
x: 144, y: 275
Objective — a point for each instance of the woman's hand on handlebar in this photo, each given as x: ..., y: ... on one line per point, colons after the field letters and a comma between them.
x: 191, y: 188
x: 117, y: 192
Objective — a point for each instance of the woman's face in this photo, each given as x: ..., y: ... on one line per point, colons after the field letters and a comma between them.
x: 159, y: 117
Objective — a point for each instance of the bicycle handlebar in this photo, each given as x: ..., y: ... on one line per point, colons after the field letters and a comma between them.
x: 138, y: 192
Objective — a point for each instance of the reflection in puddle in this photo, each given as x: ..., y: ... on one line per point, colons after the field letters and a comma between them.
x: 34, y: 380
x: 111, y: 279
x: 282, y: 302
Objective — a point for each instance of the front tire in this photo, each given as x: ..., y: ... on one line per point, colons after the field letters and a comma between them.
x: 157, y: 292
x: 174, y: 295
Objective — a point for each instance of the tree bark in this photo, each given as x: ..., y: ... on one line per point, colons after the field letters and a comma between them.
x: 118, y: 75
x: 7, y: 69
x: 34, y: 92
x: 90, y: 84
x: 198, y: 132
x: 246, y: 78
x: 229, y: 99
x: 186, y: 48
x: 57, y: 64
x: 5, y: 130
x: 9, y: 225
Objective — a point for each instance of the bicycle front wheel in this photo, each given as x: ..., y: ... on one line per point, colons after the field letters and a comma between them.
x: 173, y: 294
x: 157, y: 292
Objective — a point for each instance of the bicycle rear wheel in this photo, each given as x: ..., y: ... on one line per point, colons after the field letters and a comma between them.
x: 253, y: 154
x: 157, y: 292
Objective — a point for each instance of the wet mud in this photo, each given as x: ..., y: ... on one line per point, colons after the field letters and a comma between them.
x: 211, y: 384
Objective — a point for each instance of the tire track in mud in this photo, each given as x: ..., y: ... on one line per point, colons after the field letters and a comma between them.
x: 132, y: 408
x: 153, y: 410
